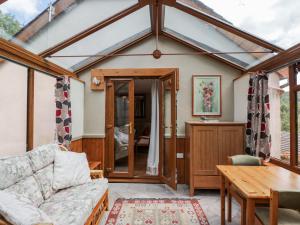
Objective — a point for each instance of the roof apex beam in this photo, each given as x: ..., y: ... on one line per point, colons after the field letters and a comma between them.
x: 227, y: 27
x: 92, y: 29
x: 179, y: 40
x: 157, y: 14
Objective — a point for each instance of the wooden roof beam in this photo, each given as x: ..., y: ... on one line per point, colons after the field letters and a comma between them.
x: 92, y: 29
x: 14, y: 52
x: 183, y: 42
x: 278, y: 61
x: 227, y: 27
x: 95, y: 62
x: 157, y: 14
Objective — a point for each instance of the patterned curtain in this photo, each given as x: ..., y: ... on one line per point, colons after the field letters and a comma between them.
x: 258, y: 138
x: 63, y: 111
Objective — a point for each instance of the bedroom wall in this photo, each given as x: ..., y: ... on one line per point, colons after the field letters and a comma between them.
x: 94, y: 123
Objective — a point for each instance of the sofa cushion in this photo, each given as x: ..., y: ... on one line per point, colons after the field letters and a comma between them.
x: 14, y: 169
x: 285, y: 216
x: 70, y: 169
x: 67, y: 212
x: 28, y: 188
x: 44, y: 177
x: 42, y: 156
x: 19, y: 210
x: 93, y: 190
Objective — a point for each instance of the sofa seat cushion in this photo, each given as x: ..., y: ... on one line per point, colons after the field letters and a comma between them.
x: 14, y: 169
x: 20, y: 211
x: 68, y: 212
x: 285, y: 216
x: 42, y: 156
x: 93, y: 191
x: 44, y: 177
x: 28, y: 188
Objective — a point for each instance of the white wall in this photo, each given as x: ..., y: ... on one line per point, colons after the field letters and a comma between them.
x: 188, y: 66
x: 77, y: 106
x: 13, y: 109
x: 241, y: 86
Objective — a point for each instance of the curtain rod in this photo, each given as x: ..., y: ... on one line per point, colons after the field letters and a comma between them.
x: 150, y: 54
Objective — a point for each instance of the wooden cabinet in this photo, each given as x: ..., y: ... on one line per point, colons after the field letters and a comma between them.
x: 209, y: 144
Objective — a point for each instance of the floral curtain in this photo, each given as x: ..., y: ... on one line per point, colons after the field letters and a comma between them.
x: 258, y: 138
x: 63, y: 111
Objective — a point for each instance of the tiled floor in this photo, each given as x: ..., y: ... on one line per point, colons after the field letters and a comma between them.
x: 209, y: 199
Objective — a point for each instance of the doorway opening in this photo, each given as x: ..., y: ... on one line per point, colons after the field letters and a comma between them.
x: 141, y: 126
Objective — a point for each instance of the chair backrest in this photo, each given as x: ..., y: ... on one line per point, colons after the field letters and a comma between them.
x: 289, y: 199
x: 245, y: 160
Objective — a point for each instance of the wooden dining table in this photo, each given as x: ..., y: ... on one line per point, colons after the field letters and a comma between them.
x: 254, y: 183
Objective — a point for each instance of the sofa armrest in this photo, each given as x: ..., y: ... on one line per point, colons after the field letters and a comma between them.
x: 95, y: 174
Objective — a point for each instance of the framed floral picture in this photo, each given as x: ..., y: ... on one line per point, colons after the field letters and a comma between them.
x: 206, y: 95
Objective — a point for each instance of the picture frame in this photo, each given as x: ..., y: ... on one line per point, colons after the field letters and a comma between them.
x: 206, y: 95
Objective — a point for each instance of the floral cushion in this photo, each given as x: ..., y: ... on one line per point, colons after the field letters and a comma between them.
x: 93, y: 190
x: 19, y: 210
x: 28, y: 188
x: 14, y: 169
x: 67, y: 212
x: 70, y: 169
x: 42, y: 156
x: 44, y: 177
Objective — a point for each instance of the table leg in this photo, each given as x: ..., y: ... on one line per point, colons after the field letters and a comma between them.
x: 222, y: 191
x: 250, y: 211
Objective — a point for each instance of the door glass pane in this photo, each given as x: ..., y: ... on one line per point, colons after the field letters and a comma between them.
x: 121, y: 126
x: 167, y: 128
x: 280, y: 114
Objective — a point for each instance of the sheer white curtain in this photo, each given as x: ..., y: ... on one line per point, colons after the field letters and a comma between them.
x: 153, y: 155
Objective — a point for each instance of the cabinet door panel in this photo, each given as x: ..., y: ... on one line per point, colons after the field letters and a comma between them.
x: 231, y: 140
x: 205, y: 150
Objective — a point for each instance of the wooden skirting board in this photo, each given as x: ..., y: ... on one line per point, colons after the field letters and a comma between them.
x: 94, y: 148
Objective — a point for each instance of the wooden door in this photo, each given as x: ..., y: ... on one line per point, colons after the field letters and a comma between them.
x: 120, y: 127
x: 167, y: 107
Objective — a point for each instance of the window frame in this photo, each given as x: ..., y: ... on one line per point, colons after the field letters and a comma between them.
x: 293, y: 164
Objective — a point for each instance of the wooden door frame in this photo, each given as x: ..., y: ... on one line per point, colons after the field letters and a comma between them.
x: 134, y: 73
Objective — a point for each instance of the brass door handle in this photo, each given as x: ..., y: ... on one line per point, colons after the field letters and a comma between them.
x: 130, y: 128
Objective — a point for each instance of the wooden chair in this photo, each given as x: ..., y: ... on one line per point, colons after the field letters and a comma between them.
x: 239, y: 160
x: 284, y: 208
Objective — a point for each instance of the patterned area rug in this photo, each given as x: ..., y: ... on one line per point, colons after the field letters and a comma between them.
x: 156, y: 212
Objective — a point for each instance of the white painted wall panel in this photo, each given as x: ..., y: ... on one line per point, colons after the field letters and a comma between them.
x: 241, y: 86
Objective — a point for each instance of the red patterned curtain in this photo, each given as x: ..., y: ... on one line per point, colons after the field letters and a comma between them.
x: 63, y: 111
x: 258, y: 138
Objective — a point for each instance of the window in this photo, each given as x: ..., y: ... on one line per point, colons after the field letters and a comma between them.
x: 284, y: 89
x: 280, y: 114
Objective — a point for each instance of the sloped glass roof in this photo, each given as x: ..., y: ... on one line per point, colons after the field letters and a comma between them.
x: 81, y: 14
x: 118, y: 33
x: 276, y: 21
x: 212, y: 39
x: 41, y: 25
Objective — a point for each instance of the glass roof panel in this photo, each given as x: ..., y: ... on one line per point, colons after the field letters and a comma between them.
x: 35, y: 29
x: 213, y: 39
x: 276, y: 21
x: 111, y: 37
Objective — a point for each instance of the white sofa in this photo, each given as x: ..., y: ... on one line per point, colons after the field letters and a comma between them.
x: 31, y: 176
